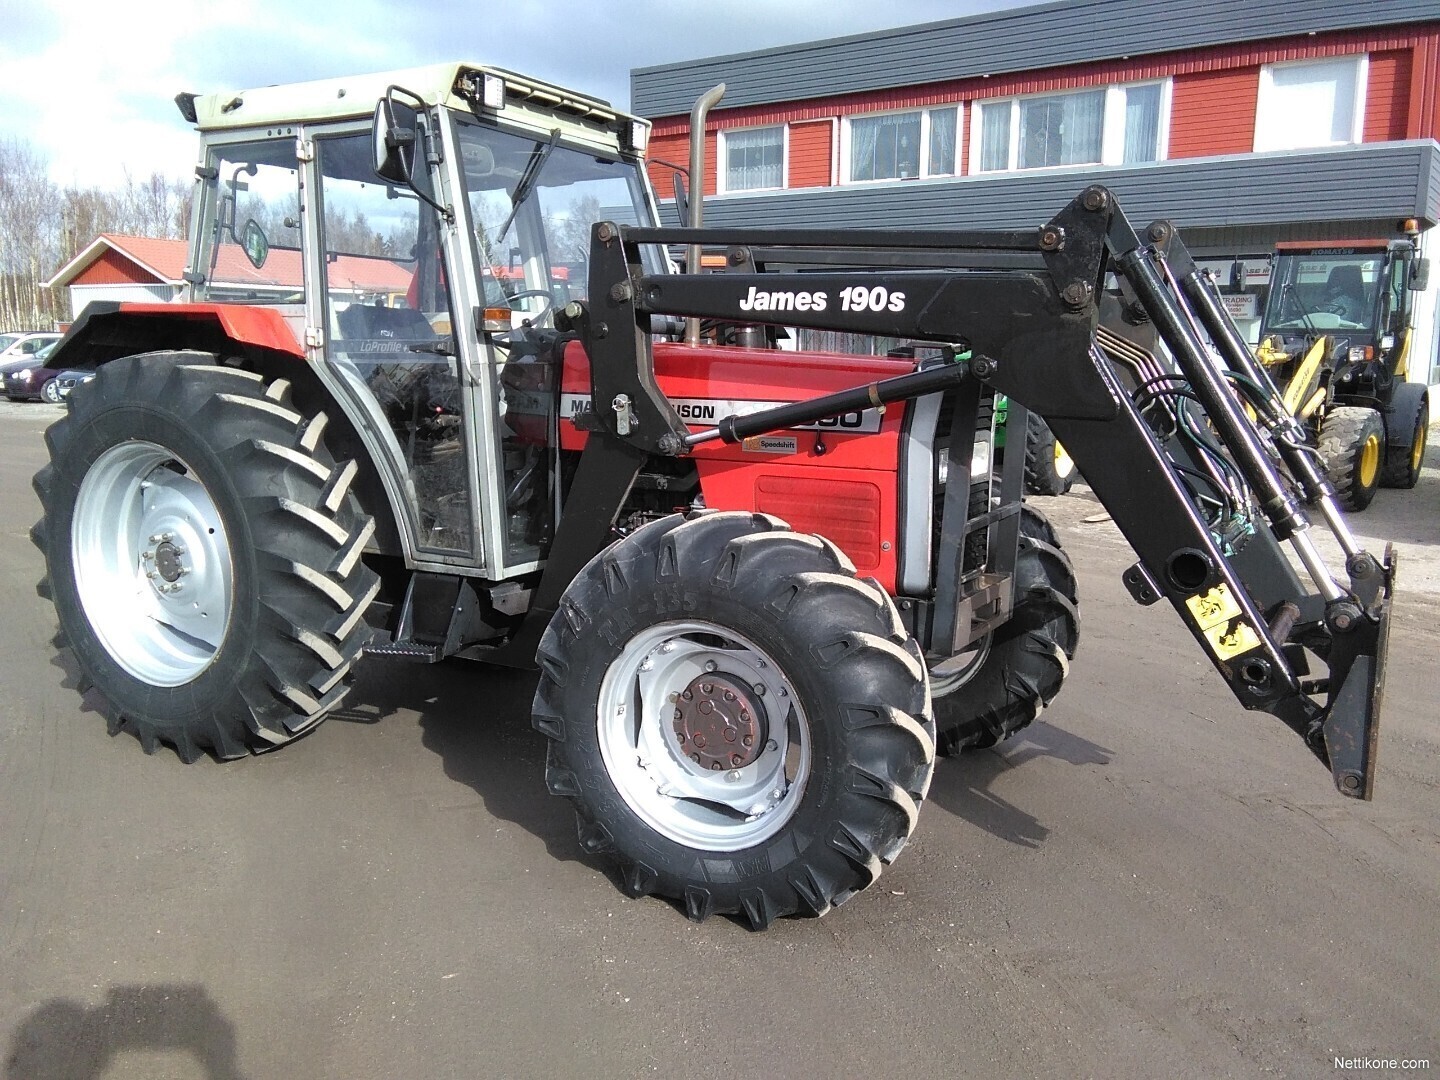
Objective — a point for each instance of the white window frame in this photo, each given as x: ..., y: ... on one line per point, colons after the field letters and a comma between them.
x: 843, y: 171
x: 1265, y: 96
x: 721, y: 169
x: 1112, y: 128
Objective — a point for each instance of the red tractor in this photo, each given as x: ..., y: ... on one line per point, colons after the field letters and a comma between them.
x: 760, y: 587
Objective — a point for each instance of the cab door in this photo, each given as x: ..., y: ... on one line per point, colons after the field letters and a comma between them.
x: 389, y: 330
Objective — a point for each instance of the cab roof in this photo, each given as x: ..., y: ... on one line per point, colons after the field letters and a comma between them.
x: 455, y: 84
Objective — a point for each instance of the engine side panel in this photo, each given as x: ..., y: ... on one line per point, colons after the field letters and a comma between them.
x: 837, y: 479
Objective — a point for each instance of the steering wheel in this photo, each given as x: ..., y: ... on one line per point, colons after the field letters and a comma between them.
x: 544, y: 308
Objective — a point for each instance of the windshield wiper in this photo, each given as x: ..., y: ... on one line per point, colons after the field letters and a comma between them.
x: 1289, y: 289
x: 527, y: 180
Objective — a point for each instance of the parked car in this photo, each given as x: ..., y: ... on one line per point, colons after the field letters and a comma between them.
x: 24, y: 346
x: 28, y: 379
x: 66, y: 381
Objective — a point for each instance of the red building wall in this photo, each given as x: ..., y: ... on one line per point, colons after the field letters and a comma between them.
x: 112, y: 268
x: 811, y: 154
x: 1387, y: 98
x: 1213, y: 112
x: 1213, y: 106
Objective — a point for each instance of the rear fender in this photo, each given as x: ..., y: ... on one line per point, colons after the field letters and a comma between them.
x: 107, y: 331
x: 261, y: 338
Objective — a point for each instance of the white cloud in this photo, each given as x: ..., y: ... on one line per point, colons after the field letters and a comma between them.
x: 91, y: 83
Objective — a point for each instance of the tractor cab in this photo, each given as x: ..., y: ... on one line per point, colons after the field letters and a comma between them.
x: 420, y: 250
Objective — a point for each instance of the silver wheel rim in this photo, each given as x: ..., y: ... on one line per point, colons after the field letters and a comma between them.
x: 950, y: 674
x: 649, y: 750
x: 152, y: 563
x: 51, y: 392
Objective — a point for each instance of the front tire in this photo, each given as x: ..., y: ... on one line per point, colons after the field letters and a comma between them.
x: 50, y: 393
x: 203, y: 555
x: 741, y: 724
x: 1352, y: 443
x: 1009, y: 676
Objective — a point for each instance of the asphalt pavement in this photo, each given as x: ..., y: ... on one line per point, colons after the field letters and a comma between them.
x: 1152, y: 883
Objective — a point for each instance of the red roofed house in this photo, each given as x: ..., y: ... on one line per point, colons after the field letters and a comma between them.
x: 145, y: 270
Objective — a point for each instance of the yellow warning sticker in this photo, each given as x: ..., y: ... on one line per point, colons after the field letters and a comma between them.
x: 1230, y: 639
x: 1214, y: 607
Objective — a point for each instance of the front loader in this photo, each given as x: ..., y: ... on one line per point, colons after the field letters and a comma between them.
x: 760, y: 587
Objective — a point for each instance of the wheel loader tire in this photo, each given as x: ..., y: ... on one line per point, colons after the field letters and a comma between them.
x: 1352, y: 442
x: 1015, y: 671
x: 1049, y: 470
x: 742, y: 725
x: 203, y: 555
x: 1408, y: 427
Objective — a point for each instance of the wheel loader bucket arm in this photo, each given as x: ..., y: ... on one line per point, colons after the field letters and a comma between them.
x: 1204, y: 494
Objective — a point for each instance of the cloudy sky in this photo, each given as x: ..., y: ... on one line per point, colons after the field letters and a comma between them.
x: 91, y: 83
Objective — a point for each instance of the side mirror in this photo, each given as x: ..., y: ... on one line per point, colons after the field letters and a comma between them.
x: 255, y: 243
x: 682, y: 197
x: 1420, y: 275
x: 393, y: 136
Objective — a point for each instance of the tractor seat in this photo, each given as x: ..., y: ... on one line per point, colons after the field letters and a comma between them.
x: 361, y: 322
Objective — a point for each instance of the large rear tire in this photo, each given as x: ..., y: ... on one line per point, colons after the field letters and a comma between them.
x: 1352, y: 442
x: 1408, y: 426
x: 203, y: 555
x: 741, y: 724
x: 1004, y: 681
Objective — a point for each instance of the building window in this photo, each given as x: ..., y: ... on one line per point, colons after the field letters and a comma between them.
x: 1316, y: 103
x: 752, y: 160
x: 901, y: 145
x: 1115, y: 125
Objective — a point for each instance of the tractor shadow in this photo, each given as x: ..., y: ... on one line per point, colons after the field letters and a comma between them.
x: 476, y: 719
x: 63, y: 1039
x: 963, y: 785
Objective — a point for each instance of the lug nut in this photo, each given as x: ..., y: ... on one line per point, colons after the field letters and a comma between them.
x: 147, y: 555
x: 748, y: 740
x: 733, y: 776
x: 707, y: 688
x: 736, y: 760
x: 710, y: 665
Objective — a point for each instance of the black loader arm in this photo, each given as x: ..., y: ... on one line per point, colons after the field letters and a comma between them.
x: 1123, y: 346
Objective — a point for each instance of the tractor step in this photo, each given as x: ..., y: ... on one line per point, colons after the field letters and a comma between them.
x: 408, y: 650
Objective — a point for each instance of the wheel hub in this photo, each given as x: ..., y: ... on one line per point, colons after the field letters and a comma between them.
x: 719, y: 723
x: 167, y: 561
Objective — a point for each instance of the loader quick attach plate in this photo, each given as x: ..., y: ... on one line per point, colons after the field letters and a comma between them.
x: 1352, y: 727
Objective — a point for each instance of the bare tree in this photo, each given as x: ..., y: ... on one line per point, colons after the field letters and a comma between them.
x: 43, y: 227
x: 28, y: 232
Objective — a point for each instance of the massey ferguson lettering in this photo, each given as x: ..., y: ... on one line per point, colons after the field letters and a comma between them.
x: 711, y: 411
x: 855, y: 298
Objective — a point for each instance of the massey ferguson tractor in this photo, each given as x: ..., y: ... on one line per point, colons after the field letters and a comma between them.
x: 427, y: 395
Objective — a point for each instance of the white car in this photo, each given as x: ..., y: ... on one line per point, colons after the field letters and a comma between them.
x: 24, y: 345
